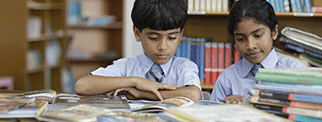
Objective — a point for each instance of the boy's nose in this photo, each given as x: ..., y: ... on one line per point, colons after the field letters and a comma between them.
x: 162, y: 45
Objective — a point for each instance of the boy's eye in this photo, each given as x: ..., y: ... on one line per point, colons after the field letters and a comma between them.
x: 172, y: 38
x: 153, y: 38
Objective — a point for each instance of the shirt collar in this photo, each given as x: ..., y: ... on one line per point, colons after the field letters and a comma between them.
x: 269, y: 62
x: 147, y: 64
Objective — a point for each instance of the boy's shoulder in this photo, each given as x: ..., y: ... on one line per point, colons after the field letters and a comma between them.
x: 180, y: 61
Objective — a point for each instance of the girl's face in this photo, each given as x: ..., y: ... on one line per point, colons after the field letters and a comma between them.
x: 254, y: 40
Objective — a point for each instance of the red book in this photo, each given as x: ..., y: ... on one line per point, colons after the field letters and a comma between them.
x: 221, y: 57
x: 227, y: 55
x: 214, y: 62
x: 236, y: 55
x: 208, y: 63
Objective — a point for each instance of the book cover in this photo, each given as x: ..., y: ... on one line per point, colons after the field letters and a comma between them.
x: 223, y: 112
x: 189, y: 43
x: 110, y: 102
x: 184, y: 47
x: 81, y: 113
x: 193, y: 50
x: 295, y: 43
x: 293, y: 6
x: 277, y: 5
x: 302, y: 50
x: 42, y: 94
x: 281, y: 2
x: 214, y: 62
x: 161, y: 106
x: 208, y: 72
x: 227, y: 55
x: 8, y: 104
x: 298, y: 5
x: 221, y: 57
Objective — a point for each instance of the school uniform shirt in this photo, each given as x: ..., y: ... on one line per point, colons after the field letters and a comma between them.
x: 238, y: 78
x: 177, y: 71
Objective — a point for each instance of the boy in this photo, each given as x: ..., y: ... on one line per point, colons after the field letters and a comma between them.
x: 254, y: 26
x: 158, y: 25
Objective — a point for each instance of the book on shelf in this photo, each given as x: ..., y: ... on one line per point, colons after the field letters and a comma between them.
x: 214, y: 62
x: 208, y: 63
x: 222, y: 112
x: 80, y: 113
x: 305, y: 76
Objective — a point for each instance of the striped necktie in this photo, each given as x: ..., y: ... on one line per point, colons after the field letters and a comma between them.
x: 155, y: 73
x: 254, y: 70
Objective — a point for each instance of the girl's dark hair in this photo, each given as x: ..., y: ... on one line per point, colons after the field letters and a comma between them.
x: 260, y: 10
x: 159, y: 14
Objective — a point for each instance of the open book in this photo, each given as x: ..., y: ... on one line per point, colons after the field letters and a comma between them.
x: 42, y: 94
x: 160, y: 106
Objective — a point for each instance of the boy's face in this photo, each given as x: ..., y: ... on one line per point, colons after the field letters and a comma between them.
x: 253, y: 40
x: 158, y: 45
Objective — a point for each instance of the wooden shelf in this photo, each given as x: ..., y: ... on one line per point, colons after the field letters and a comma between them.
x: 290, y: 14
x: 115, y: 25
x: 207, y: 86
x: 36, y: 70
x: 44, y: 6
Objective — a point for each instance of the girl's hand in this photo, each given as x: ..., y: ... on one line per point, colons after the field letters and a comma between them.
x: 234, y: 99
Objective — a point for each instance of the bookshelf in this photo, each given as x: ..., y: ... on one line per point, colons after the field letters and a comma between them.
x: 103, y: 39
x: 214, y: 25
x: 17, y: 43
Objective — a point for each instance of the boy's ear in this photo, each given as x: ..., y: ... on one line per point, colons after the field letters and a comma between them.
x: 181, y: 34
x: 137, y: 34
x: 275, y: 33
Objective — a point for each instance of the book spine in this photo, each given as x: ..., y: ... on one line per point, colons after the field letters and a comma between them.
x: 298, y: 5
x: 268, y: 107
x: 287, y: 6
x: 301, y: 86
x: 193, y: 50
x: 281, y: 2
x: 177, y: 54
x: 227, y: 55
x: 189, y: 41
x: 302, y: 50
x: 197, y: 5
x: 221, y: 58
x: 316, y: 9
x: 294, y: 79
x: 277, y: 5
x: 214, y: 62
x: 225, y: 4
x: 274, y: 5
x: 307, y: 6
x: 208, y: 63
x: 184, y: 47
x: 274, y: 101
x: 293, y: 6
x: 213, y: 5
x: 202, y: 5
x: 287, y: 89
x: 305, y: 98
x: 197, y: 54
x: 301, y: 111
x: 208, y: 5
x: 306, y: 47
x: 300, y: 118
x: 236, y: 55
x: 219, y: 5
x: 307, y: 105
x: 202, y: 59
x: 190, y: 5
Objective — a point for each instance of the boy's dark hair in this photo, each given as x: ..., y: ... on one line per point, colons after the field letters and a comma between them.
x: 159, y: 14
x: 260, y: 10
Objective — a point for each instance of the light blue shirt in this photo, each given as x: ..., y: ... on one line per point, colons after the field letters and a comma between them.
x: 178, y: 71
x: 238, y: 79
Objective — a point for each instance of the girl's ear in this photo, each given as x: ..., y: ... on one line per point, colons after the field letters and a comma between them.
x: 275, y: 33
x: 137, y: 34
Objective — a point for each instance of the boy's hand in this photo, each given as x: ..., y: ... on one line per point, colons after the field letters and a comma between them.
x: 135, y: 93
x: 233, y: 99
x: 152, y: 86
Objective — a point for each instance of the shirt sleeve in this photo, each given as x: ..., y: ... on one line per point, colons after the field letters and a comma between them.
x: 188, y: 74
x: 116, y: 69
x: 221, y: 89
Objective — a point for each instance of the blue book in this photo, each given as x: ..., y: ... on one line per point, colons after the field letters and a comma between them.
x: 193, y: 56
x: 277, y: 5
x: 281, y: 2
x: 188, y: 48
x: 202, y: 59
x: 183, y: 47
x: 197, y: 53
x: 274, y: 5
x: 300, y: 118
x: 177, y: 54
x: 302, y: 50
x: 298, y: 5
x: 307, y: 6
x: 293, y: 6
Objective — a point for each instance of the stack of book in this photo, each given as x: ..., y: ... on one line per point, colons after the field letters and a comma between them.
x: 293, y: 93
x: 307, y: 44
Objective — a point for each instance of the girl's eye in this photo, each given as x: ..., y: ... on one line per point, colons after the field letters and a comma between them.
x: 239, y: 39
x: 258, y: 35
